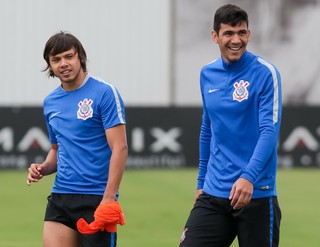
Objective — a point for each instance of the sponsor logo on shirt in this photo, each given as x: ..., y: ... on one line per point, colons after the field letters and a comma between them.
x: 85, y: 111
x: 240, y: 92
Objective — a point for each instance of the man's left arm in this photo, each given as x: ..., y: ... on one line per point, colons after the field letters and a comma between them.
x: 270, y: 107
x: 117, y: 141
x: 109, y: 213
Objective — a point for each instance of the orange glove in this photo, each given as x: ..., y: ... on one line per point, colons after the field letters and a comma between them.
x: 106, y: 217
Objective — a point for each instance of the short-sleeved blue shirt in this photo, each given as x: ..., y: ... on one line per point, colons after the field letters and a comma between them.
x: 76, y: 121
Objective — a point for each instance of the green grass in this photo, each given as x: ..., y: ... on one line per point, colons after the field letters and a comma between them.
x: 156, y: 205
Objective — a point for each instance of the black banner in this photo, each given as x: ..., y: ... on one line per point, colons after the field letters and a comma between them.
x: 299, y: 143
x: 23, y: 137
x: 163, y: 137
x: 157, y: 137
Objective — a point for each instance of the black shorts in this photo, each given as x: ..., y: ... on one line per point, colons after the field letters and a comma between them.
x: 68, y: 208
x: 214, y: 223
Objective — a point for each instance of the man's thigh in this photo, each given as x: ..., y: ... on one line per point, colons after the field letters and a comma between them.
x: 258, y: 223
x: 210, y: 224
x: 99, y: 239
x: 66, y: 209
x: 56, y: 234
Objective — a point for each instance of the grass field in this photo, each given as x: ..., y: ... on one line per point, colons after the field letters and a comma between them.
x: 156, y: 205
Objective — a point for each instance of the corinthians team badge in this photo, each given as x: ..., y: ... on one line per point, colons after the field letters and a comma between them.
x: 240, y: 90
x: 85, y: 111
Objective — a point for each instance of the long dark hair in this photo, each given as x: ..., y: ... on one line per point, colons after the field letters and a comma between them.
x: 61, y: 42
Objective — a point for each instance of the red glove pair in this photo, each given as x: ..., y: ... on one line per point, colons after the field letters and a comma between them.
x: 106, y: 217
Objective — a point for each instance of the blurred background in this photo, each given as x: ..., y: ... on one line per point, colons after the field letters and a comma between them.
x: 152, y: 51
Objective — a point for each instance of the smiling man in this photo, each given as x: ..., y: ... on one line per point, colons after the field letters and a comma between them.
x: 85, y: 117
x: 236, y: 191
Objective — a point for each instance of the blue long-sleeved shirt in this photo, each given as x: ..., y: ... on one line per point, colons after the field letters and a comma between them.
x: 240, y: 125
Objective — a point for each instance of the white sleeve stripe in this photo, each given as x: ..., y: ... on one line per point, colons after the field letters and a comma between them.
x: 116, y: 95
x: 275, y: 89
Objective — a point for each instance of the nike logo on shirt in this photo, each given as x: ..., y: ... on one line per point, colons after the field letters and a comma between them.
x: 213, y: 90
x: 54, y: 114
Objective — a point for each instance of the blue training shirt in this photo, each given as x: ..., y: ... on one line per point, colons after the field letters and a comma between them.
x: 240, y: 125
x: 76, y: 121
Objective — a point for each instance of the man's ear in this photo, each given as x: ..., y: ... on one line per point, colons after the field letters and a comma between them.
x: 214, y: 36
x: 249, y: 34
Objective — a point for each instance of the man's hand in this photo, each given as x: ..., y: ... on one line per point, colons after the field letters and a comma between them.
x: 198, y: 193
x: 241, y: 193
x: 106, y: 217
x: 34, y: 173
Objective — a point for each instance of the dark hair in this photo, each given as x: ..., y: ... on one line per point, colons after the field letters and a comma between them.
x: 61, y: 42
x: 229, y: 14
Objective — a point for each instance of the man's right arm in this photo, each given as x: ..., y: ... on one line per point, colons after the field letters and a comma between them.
x: 49, y: 166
